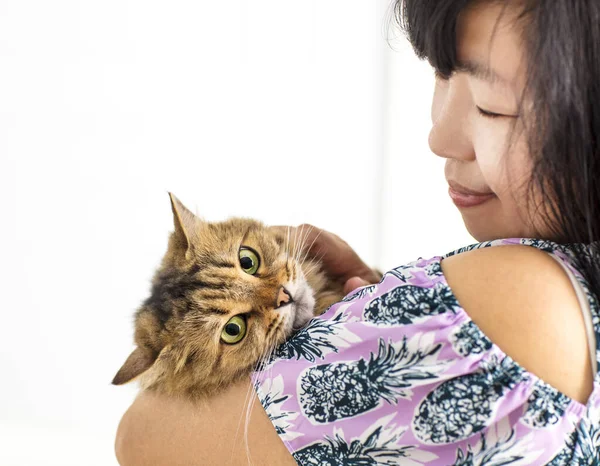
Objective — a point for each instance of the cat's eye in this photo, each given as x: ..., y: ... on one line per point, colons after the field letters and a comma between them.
x: 234, y: 330
x: 249, y: 260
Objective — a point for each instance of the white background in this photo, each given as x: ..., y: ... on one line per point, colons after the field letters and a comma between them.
x: 286, y: 111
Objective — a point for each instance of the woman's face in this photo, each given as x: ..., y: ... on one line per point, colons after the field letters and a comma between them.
x: 474, y: 113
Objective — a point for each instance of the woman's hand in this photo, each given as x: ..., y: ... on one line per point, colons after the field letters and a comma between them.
x: 339, y: 260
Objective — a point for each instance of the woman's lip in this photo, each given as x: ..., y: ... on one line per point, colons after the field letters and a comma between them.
x: 459, y: 188
x: 468, y: 199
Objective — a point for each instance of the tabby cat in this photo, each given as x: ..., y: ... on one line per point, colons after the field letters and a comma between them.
x: 225, y: 295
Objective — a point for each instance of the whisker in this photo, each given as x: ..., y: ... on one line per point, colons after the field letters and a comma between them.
x: 296, y: 241
x: 311, y: 245
x: 287, y: 243
x: 293, y: 243
x: 271, y: 366
x: 252, y: 401
x: 303, y: 238
x: 287, y: 253
x: 319, y: 257
x: 314, y: 265
x: 310, y: 268
x: 244, y: 411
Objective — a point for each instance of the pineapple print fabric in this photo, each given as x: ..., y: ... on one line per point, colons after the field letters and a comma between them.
x: 398, y: 374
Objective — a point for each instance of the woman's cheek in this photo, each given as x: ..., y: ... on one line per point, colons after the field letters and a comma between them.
x: 506, y: 169
x: 490, y: 161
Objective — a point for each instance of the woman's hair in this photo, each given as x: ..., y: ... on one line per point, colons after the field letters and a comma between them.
x: 562, y: 43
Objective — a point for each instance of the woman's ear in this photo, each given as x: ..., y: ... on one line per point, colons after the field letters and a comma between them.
x: 138, y: 362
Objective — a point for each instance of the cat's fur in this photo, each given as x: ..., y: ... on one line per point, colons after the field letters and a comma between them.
x: 200, y: 286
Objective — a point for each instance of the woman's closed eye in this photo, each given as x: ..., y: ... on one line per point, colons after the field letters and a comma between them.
x: 488, y: 114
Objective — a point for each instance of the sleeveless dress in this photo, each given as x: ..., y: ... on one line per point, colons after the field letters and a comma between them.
x: 398, y: 374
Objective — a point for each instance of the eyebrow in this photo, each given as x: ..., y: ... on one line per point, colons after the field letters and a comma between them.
x: 480, y: 71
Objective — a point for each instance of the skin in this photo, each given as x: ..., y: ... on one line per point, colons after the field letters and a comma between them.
x: 519, y: 296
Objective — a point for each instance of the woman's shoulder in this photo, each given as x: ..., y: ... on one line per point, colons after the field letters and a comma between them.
x: 482, y: 350
x: 524, y: 301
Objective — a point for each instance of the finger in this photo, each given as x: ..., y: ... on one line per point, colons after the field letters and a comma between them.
x: 364, y: 272
x: 354, y: 283
x: 373, y: 276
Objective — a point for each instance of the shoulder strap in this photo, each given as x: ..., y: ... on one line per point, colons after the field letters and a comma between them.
x: 584, y: 305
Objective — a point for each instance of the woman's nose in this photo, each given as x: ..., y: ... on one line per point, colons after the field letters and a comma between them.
x: 450, y: 135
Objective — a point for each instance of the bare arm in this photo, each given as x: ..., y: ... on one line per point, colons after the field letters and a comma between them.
x: 517, y: 295
x: 157, y: 431
x: 525, y: 303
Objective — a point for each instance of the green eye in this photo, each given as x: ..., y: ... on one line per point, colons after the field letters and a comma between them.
x: 234, y: 330
x: 249, y: 261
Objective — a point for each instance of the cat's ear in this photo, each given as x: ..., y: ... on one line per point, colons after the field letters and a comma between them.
x: 184, y: 222
x: 138, y: 362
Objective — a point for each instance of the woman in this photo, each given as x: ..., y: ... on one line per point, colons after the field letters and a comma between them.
x: 487, y: 355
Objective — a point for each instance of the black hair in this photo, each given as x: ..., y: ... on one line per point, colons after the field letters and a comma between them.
x: 562, y: 42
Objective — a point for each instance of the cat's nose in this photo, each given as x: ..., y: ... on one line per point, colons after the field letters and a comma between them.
x: 283, y: 297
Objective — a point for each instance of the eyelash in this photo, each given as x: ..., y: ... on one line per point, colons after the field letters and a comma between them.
x: 482, y: 112
x: 486, y: 114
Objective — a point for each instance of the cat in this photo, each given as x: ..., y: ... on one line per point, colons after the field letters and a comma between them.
x: 225, y: 295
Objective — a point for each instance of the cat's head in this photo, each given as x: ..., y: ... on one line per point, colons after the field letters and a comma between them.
x: 224, y: 296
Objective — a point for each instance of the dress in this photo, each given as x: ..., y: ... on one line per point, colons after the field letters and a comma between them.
x: 398, y: 374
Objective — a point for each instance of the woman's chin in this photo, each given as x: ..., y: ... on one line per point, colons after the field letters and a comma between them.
x: 489, y: 229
